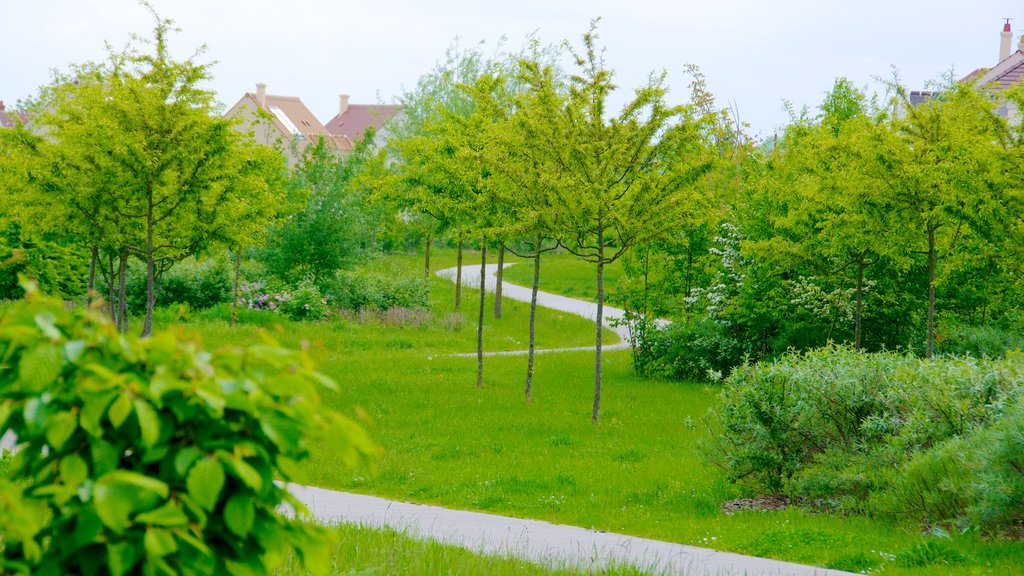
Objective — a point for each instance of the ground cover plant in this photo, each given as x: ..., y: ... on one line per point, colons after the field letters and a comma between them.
x: 639, y: 472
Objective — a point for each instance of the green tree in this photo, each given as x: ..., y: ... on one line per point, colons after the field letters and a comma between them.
x: 626, y: 178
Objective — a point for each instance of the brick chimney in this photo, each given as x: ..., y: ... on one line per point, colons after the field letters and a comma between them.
x: 342, y: 103
x: 1004, y: 41
x: 261, y: 94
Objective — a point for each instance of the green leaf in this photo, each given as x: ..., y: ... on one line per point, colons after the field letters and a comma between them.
x: 73, y: 350
x: 141, y: 481
x: 239, y: 515
x: 114, y: 504
x: 149, y: 422
x: 205, y: 481
x: 73, y: 470
x: 34, y: 414
x: 6, y: 409
x: 251, y: 568
x: 169, y: 514
x: 121, y: 557
x: 93, y: 408
x: 59, y: 428
x: 185, y: 458
x: 120, y: 410
x: 159, y: 542
x: 40, y: 367
x: 246, y: 473
x: 87, y: 529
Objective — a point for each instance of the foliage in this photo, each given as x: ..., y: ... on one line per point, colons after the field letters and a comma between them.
x: 992, y: 340
x: 334, y: 225
x: 362, y: 289
x: 690, y: 350
x: 305, y: 302
x: 152, y: 456
x: 835, y: 423
x: 197, y: 283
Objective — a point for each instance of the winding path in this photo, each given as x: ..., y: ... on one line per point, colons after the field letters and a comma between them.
x: 543, y: 542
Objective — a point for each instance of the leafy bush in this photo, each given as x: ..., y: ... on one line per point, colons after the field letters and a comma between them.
x: 959, y: 339
x: 305, y: 303
x: 361, y: 289
x: 685, y: 350
x: 152, y: 456
x: 852, y: 417
x: 197, y: 283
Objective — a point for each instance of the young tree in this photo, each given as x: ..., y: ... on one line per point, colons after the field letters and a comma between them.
x: 626, y: 178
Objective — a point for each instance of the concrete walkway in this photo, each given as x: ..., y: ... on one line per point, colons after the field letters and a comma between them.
x: 588, y: 310
x: 542, y: 542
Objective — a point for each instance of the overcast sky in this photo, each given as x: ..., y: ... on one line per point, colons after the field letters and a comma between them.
x: 755, y: 53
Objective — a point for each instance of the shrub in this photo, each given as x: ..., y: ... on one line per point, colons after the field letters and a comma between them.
x: 852, y: 416
x: 991, y: 341
x: 151, y: 456
x: 685, y: 350
x: 198, y: 283
x: 361, y: 289
x: 305, y: 303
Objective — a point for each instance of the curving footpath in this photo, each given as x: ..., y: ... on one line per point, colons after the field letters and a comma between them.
x: 542, y: 542
x: 588, y: 310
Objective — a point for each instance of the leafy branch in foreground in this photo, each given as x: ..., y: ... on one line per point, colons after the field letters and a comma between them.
x: 151, y: 456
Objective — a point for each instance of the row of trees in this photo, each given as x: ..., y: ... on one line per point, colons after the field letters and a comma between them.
x: 862, y: 223
x: 522, y: 156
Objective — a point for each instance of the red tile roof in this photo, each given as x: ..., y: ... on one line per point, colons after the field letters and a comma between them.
x: 7, y: 119
x: 353, y: 123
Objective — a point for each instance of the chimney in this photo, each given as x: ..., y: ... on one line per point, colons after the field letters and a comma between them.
x: 342, y: 103
x: 1004, y: 41
x: 261, y: 94
x: 1020, y: 44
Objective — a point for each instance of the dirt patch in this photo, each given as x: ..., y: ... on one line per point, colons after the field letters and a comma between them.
x: 762, y: 503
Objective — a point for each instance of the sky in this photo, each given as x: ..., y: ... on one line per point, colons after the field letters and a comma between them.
x: 755, y: 54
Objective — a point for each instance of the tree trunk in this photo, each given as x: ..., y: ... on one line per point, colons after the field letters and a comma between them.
x: 497, y: 286
x: 598, y: 321
x: 122, y: 291
x: 147, y: 324
x: 95, y: 254
x: 859, y: 313
x: 480, y: 318
x: 234, y: 292
x: 533, y: 316
x: 111, y: 287
x: 458, y: 275
x: 931, y: 292
x: 426, y: 255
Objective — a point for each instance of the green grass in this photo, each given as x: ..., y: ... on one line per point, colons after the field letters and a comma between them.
x: 639, y: 472
x: 565, y: 274
x: 362, y: 550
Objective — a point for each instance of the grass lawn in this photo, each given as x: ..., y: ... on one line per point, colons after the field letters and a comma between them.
x: 639, y: 472
x: 361, y: 550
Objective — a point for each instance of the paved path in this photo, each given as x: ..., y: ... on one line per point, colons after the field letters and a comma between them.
x: 542, y: 542
x: 588, y: 310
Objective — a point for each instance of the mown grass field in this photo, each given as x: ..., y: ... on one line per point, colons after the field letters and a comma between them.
x: 566, y: 274
x: 639, y: 471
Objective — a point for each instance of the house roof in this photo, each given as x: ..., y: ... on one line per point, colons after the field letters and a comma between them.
x: 353, y: 122
x: 8, y: 119
x: 1005, y: 74
x: 918, y: 97
x: 290, y: 115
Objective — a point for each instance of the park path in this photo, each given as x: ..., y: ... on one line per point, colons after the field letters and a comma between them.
x: 542, y: 542
x: 588, y: 310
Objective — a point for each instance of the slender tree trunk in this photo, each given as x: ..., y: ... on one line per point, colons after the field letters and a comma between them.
x: 122, y: 292
x: 458, y: 275
x: 533, y: 324
x: 931, y: 292
x: 647, y: 273
x: 426, y: 255
x: 859, y: 313
x: 111, y: 287
x: 598, y: 320
x: 234, y: 292
x: 94, y: 255
x: 480, y: 318
x: 497, y: 286
x: 147, y: 324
